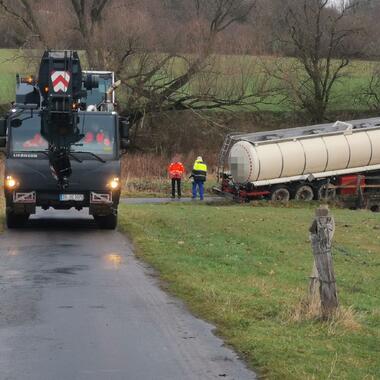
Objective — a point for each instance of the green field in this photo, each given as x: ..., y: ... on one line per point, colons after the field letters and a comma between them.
x: 246, y: 270
x: 234, y: 69
x: 11, y: 63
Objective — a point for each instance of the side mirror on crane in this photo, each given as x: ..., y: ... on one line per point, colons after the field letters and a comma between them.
x: 124, y: 129
x: 3, y: 133
x: 124, y: 133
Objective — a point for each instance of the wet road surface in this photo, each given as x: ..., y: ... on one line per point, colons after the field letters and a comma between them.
x: 76, y: 305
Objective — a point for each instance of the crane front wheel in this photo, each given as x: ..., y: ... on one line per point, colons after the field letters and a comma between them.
x: 14, y: 220
x: 106, y: 222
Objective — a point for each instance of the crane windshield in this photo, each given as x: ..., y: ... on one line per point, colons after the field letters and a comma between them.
x: 97, y: 130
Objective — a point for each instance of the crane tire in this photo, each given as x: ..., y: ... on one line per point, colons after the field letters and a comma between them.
x: 107, y: 222
x: 16, y: 220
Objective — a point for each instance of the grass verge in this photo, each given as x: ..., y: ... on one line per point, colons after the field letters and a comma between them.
x: 159, y: 187
x: 246, y: 270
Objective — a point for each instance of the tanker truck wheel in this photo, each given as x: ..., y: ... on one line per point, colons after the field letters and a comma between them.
x: 304, y: 193
x: 280, y: 194
x: 326, y: 192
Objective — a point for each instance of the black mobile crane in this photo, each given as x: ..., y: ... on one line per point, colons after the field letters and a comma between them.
x: 60, y: 151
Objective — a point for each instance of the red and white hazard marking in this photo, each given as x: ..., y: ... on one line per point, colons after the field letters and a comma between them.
x: 60, y: 80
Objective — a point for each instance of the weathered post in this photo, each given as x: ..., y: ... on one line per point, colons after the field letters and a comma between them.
x: 322, y: 232
x: 314, y: 283
x: 359, y: 192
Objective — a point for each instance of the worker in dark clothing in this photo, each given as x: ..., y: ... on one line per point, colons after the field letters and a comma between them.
x: 199, y: 174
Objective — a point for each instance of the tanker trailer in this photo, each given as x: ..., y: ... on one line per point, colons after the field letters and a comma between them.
x: 306, y: 163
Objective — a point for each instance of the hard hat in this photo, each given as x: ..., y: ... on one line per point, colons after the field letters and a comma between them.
x: 199, y: 158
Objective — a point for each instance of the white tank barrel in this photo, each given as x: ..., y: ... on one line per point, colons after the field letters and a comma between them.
x: 304, y: 151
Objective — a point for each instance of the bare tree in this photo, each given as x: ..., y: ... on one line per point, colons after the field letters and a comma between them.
x: 50, y: 22
x: 318, y: 37
x: 165, y: 82
x: 23, y: 12
x: 370, y: 93
x: 89, y: 16
x: 163, y: 66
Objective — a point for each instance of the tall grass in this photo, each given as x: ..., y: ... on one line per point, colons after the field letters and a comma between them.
x: 150, y: 165
x: 147, y: 174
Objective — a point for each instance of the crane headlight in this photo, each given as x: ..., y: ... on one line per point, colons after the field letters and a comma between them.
x: 10, y: 182
x: 114, y: 183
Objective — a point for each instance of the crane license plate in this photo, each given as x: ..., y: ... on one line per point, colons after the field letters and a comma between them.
x: 71, y: 197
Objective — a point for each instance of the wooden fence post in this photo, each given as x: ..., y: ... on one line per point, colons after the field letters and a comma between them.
x: 322, y: 232
x: 314, y: 283
x: 359, y: 192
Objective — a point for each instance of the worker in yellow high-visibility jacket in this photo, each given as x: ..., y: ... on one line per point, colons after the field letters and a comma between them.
x: 199, y: 174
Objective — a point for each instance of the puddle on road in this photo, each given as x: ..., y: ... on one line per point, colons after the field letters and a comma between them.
x: 13, y: 252
x: 113, y: 260
x: 66, y: 270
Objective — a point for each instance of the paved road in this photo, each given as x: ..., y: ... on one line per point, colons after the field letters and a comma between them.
x: 76, y: 305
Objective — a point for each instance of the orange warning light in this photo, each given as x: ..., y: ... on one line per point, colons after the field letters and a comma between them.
x: 29, y: 80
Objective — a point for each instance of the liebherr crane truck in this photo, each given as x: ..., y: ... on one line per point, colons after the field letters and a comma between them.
x: 62, y: 139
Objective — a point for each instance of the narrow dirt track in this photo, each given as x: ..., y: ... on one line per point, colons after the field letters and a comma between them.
x: 75, y: 304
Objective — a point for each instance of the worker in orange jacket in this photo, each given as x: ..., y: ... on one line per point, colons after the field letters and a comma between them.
x: 176, y: 171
